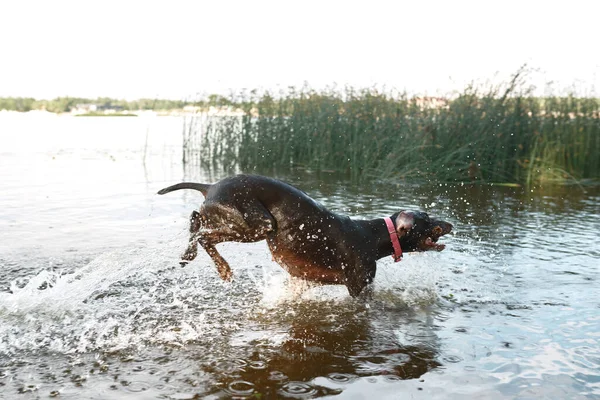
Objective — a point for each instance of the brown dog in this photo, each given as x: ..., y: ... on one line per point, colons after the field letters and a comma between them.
x: 306, y: 239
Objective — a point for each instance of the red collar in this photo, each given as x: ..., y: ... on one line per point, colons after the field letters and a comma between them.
x: 394, y: 238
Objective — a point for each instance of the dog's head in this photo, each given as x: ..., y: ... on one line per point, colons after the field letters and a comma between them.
x: 417, y: 231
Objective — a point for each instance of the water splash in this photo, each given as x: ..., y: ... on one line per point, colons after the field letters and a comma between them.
x: 118, y: 300
x: 135, y: 297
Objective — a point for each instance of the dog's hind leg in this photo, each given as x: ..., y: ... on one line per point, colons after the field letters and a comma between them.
x: 222, y: 266
x: 219, y: 223
x: 192, y: 250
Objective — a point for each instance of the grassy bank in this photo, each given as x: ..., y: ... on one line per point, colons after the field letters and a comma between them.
x: 500, y: 134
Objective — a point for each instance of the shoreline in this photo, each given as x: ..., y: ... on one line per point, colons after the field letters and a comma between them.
x: 141, y: 113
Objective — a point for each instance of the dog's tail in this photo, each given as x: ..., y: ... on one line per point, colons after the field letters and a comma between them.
x: 202, y: 187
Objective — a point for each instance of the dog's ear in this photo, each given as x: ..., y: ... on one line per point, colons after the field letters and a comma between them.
x: 405, y: 221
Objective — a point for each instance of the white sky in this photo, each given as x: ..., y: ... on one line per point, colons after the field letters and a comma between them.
x: 174, y: 49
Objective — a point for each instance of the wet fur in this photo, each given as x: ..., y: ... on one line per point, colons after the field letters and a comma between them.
x: 306, y: 239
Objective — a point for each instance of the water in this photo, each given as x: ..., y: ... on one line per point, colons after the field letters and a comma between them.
x: 93, y: 302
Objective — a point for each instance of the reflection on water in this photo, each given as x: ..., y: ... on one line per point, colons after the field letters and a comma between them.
x: 338, y: 341
x: 307, y: 341
x: 93, y: 303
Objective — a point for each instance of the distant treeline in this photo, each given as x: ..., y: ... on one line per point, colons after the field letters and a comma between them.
x: 66, y: 104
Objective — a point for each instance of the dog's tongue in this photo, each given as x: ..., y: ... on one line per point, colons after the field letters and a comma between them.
x: 434, y: 246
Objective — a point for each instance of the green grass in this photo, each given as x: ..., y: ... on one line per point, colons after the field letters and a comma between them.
x: 497, y: 134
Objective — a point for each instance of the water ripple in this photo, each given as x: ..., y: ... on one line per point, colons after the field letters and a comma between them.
x: 240, y: 388
x: 339, y: 377
x: 298, y: 390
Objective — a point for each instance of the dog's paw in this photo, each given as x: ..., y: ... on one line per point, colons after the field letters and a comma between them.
x: 226, y: 274
x: 189, y: 256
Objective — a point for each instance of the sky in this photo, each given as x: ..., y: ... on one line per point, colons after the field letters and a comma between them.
x: 179, y: 48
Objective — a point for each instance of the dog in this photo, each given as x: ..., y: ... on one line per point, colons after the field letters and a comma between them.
x: 307, y: 240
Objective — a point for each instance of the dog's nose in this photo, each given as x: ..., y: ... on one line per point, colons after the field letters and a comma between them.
x: 447, y: 227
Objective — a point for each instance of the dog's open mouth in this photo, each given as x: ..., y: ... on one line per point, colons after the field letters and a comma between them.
x: 431, y: 244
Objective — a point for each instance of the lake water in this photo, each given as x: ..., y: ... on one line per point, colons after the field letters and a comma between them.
x: 94, y: 304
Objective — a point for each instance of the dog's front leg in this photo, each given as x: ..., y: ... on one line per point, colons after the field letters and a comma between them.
x: 366, y: 295
x: 359, y: 275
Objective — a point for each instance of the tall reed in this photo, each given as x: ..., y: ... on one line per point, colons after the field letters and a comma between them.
x: 496, y: 134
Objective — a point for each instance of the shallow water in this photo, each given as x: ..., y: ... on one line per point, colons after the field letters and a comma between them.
x: 93, y: 302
